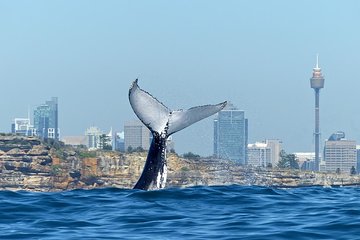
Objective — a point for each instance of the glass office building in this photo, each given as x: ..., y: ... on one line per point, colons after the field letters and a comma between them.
x: 46, y: 120
x: 231, y: 134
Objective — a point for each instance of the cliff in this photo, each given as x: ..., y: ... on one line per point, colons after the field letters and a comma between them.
x: 27, y: 163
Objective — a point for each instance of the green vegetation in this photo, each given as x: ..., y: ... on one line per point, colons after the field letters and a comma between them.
x: 86, y: 154
x: 288, y: 161
x: 191, y: 155
x: 185, y: 169
x: 138, y: 149
x: 60, y: 153
x: 53, y: 143
x: 6, y: 134
x: 104, y: 142
x: 55, y: 170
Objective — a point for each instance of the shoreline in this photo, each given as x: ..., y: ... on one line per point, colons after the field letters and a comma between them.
x: 32, y: 165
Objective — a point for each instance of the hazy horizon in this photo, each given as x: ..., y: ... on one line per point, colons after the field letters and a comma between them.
x: 257, y: 54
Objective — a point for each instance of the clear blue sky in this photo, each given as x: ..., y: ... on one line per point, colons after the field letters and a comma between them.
x: 257, y: 54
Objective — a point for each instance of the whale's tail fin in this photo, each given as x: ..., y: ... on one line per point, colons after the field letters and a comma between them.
x: 160, y: 119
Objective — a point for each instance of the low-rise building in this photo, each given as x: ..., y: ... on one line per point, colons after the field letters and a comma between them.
x: 23, y: 126
x: 265, y: 154
x: 306, y: 160
x: 74, y: 140
x: 340, y: 154
x: 259, y: 154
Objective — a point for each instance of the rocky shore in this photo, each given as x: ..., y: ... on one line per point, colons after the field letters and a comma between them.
x: 27, y: 163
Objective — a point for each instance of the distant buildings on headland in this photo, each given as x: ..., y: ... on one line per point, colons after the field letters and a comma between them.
x: 230, y: 139
x: 231, y: 142
x: 135, y: 137
x: 45, y: 124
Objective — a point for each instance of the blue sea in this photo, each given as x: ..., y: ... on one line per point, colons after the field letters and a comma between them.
x: 219, y: 212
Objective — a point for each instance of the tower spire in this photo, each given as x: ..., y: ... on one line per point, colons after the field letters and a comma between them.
x: 316, y: 83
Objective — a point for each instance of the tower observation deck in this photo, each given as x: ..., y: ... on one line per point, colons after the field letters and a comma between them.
x: 317, y: 82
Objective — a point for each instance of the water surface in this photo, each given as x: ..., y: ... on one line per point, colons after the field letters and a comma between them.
x: 219, y: 212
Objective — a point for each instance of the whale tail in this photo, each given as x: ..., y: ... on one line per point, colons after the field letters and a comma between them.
x: 160, y: 119
x: 162, y: 122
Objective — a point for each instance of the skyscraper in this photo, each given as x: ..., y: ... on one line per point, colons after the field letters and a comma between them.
x: 136, y: 134
x: 230, y: 134
x: 46, y: 120
x: 317, y: 82
x: 119, y: 142
x: 340, y: 153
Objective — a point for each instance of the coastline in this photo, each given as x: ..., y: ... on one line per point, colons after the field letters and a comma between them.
x: 29, y: 164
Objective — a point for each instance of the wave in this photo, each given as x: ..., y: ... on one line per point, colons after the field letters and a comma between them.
x: 202, y: 212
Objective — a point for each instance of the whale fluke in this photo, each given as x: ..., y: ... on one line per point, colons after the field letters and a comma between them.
x: 181, y: 119
x: 162, y: 122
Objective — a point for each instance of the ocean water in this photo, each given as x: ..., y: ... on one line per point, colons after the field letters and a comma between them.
x: 218, y: 212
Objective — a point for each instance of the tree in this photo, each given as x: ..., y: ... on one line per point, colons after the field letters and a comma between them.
x: 288, y: 161
x: 191, y: 155
x: 352, y: 170
x: 130, y: 149
x: 54, y: 143
x: 139, y: 149
x: 104, y: 142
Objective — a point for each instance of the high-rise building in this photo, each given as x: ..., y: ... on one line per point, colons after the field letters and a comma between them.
x: 46, y: 120
x: 93, y: 137
x: 275, y: 146
x: 317, y: 82
x: 119, y: 142
x: 96, y: 139
x: 259, y: 154
x: 136, y: 135
x: 340, y: 153
x: 231, y: 134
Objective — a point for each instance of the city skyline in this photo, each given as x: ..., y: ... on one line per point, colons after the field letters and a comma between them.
x: 258, y: 55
